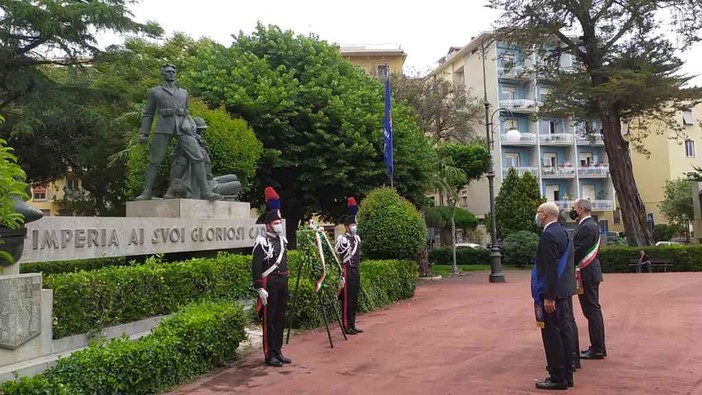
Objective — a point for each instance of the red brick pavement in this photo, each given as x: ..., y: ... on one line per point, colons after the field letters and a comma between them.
x: 466, y: 336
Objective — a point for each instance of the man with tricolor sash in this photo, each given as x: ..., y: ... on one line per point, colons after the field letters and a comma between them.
x: 552, y: 285
x: 270, y: 279
x: 589, y: 276
x: 348, y: 248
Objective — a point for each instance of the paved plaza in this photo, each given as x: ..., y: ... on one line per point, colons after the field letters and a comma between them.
x: 464, y: 336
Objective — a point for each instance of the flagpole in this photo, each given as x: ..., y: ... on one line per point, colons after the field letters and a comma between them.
x: 387, y: 133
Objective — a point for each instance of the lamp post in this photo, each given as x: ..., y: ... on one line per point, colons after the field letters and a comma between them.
x: 687, y: 228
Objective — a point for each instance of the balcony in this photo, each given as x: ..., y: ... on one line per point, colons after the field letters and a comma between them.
x: 519, y: 105
x: 590, y: 139
x: 602, y: 205
x: 556, y: 139
x: 521, y: 170
x: 601, y: 171
x: 510, y: 138
x: 561, y: 171
x: 564, y: 204
x: 513, y: 72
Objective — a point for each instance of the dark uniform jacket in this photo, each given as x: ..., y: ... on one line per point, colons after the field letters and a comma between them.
x: 552, y: 246
x: 265, y: 254
x: 348, y: 247
x: 586, y: 235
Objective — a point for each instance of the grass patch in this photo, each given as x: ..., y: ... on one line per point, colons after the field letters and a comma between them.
x: 445, y: 270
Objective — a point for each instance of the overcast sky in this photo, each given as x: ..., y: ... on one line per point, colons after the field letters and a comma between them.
x: 425, y: 30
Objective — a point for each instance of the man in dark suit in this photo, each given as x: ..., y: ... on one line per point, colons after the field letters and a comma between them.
x: 573, y: 326
x: 587, y: 245
x: 553, y: 284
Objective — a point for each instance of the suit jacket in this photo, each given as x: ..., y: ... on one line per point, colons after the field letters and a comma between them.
x: 586, y: 235
x: 172, y: 107
x: 552, y: 246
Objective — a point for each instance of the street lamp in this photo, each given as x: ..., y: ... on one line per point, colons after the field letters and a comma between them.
x: 496, y: 275
x: 687, y: 228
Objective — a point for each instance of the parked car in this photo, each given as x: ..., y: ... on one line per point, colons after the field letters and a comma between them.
x: 471, y: 245
x: 667, y: 243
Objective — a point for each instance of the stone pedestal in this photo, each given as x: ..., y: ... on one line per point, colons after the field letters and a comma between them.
x: 20, y: 309
x: 188, y: 208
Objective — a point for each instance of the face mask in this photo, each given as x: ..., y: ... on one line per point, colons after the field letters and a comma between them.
x: 537, y: 221
x: 573, y: 214
x: 352, y: 229
x: 278, y: 229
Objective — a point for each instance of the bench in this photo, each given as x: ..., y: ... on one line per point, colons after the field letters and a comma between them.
x: 664, y: 263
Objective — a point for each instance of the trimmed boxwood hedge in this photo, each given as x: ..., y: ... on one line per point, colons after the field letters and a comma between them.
x: 464, y: 256
x: 686, y: 258
x: 89, y: 301
x: 73, y: 266
x: 198, y: 338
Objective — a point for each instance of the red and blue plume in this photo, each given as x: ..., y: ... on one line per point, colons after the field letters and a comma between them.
x: 351, y: 206
x: 272, y: 198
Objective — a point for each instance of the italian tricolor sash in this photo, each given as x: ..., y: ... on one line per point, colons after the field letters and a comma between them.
x: 585, y: 262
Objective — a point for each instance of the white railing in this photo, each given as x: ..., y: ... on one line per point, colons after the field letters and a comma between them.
x: 556, y: 138
x: 594, y: 171
x: 519, y: 104
x: 564, y: 204
x: 595, y: 138
x: 511, y: 72
x: 602, y: 205
x: 560, y: 171
x: 521, y: 170
x: 524, y: 138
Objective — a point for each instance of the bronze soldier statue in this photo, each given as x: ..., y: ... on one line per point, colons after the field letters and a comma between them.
x: 171, y: 103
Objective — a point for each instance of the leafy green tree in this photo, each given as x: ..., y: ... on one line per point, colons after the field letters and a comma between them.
x: 440, y: 218
x: 519, y: 248
x: 516, y: 203
x: 318, y: 117
x: 11, y: 186
x: 628, y: 72
x: 390, y: 226
x: 443, y: 110
x: 44, y: 98
x: 664, y: 232
x: 677, y: 204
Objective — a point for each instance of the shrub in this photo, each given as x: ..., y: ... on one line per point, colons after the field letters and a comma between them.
x: 390, y: 226
x: 73, y: 266
x: 464, y: 256
x: 686, y: 258
x: 198, y: 338
x: 664, y: 232
x: 87, y: 301
x: 518, y: 248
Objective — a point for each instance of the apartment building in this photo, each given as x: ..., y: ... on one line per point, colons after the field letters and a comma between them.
x: 376, y: 60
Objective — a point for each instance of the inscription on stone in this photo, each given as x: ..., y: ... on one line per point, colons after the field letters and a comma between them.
x: 20, y: 309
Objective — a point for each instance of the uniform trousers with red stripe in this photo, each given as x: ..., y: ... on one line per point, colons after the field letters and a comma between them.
x: 349, y: 295
x: 274, y: 313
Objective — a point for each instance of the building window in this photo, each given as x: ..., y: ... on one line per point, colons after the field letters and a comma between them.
x: 508, y: 93
x: 383, y: 71
x: 689, y: 148
x: 511, y: 159
x: 688, y: 118
x: 39, y: 193
x: 508, y: 60
x: 617, y: 216
x: 72, y: 184
x: 552, y: 127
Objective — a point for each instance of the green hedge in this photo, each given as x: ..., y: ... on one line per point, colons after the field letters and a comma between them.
x: 198, y: 338
x: 686, y: 258
x: 464, y: 256
x: 86, y: 301
x: 382, y: 282
x: 73, y: 266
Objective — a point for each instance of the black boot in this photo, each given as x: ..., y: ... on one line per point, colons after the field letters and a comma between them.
x: 282, y: 357
x: 272, y: 360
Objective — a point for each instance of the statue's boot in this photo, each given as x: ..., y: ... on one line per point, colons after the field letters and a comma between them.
x: 149, y: 178
x: 206, y: 193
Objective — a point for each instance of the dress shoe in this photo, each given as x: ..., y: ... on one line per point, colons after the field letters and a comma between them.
x: 549, y: 384
x: 589, y: 354
x: 571, y: 383
x: 351, y: 331
x: 577, y: 365
x: 357, y: 330
x: 273, y: 361
x: 282, y: 358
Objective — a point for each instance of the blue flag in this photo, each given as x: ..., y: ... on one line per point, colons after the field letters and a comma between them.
x: 387, y: 132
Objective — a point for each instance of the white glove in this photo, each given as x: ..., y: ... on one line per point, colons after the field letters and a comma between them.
x: 263, y: 294
x: 343, y: 282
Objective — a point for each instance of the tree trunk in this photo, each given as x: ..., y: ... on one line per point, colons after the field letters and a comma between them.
x: 292, y: 219
x: 632, y: 207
